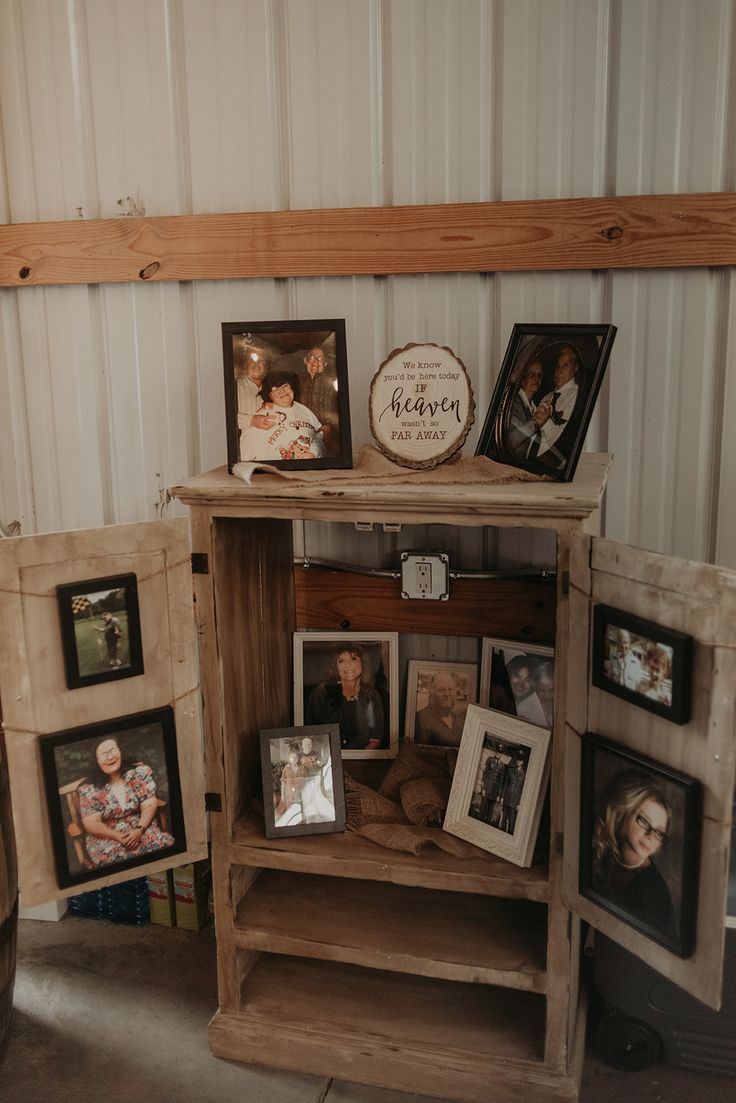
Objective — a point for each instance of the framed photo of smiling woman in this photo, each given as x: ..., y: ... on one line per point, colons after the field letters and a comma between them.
x: 544, y: 397
x: 113, y: 795
x: 286, y: 394
x: 639, y: 842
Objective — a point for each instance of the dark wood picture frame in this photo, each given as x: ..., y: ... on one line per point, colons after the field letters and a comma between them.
x: 666, y: 655
x: 148, y: 752
x: 279, y: 352
x: 303, y: 782
x: 533, y: 357
x: 617, y: 786
x: 118, y: 650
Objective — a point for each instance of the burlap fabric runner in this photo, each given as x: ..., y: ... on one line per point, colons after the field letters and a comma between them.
x: 411, y: 799
x: 372, y: 464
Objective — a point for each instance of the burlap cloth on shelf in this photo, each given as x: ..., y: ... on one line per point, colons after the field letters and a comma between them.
x: 406, y: 812
x: 372, y: 464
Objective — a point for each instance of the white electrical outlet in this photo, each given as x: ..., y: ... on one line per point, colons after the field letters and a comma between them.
x: 425, y: 576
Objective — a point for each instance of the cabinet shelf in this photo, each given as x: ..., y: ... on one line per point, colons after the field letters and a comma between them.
x: 424, y: 1035
x: 348, y: 855
x: 475, y: 939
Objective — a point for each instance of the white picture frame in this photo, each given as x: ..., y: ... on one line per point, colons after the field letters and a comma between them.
x: 423, y: 721
x: 319, y: 698
x: 490, y: 740
x: 534, y: 702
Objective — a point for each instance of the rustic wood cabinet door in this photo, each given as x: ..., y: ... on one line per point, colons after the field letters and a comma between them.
x: 36, y: 698
x: 700, y: 601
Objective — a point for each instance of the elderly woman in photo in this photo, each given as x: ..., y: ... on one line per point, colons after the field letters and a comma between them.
x: 282, y: 428
x: 630, y: 829
x: 348, y: 697
x: 522, y: 427
x: 117, y: 806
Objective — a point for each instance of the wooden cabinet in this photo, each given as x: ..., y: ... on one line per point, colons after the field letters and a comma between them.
x: 426, y: 973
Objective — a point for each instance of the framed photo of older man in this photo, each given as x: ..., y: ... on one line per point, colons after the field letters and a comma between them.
x: 286, y: 394
x: 545, y: 395
x: 437, y: 699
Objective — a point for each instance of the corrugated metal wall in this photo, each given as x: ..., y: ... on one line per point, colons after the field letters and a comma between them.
x: 119, y: 107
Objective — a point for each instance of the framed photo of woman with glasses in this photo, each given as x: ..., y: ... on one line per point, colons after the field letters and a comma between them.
x: 640, y: 841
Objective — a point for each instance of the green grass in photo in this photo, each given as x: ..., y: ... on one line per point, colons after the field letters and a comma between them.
x: 91, y: 646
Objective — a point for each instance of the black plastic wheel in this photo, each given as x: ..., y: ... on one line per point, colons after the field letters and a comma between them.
x: 628, y: 1043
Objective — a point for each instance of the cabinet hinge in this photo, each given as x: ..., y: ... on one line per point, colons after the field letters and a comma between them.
x: 200, y: 563
x: 565, y: 582
x: 212, y: 802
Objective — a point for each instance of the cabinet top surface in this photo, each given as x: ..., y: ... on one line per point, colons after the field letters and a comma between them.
x: 345, y: 499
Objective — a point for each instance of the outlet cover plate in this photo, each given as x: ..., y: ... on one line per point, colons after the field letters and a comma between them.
x: 425, y: 576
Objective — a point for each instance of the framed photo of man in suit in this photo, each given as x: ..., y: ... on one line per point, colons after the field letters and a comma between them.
x: 545, y: 395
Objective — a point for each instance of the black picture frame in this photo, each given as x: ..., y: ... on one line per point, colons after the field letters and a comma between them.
x: 282, y: 350
x: 660, y: 898
x: 74, y: 791
x: 665, y: 663
x: 303, y: 788
x: 95, y: 650
x: 509, y: 433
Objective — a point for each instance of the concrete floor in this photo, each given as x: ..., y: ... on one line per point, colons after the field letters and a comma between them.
x: 113, y: 1013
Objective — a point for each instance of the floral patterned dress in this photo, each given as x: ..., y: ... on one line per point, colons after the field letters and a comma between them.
x: 139, y: 787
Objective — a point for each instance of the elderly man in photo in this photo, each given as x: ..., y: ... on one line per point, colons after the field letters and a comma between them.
x: 552, y: 415
x: 439, y: 723
x: 257, y: 363
x: 318, y: 391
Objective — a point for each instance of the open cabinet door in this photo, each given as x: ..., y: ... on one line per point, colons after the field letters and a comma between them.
x: 649, y: 777
x: 97, y: 642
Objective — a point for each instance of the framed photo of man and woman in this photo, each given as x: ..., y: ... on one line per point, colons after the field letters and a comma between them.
x: 642, y: 662
x: 286, y: 393
x: 303, y: 790
x: 100, y: 630
x: 544, y: 397
x: 519, y: 679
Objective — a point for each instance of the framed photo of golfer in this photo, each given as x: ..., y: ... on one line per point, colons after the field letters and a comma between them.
x: 640, y: 841
x: 286, y: 394
x: 113, y: 795
x: 544, y: 397
x: 100, y: 630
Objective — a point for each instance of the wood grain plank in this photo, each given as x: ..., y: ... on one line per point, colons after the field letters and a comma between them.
x: 468, y: 1043
x: 348, y: 855
x: 475, y: 939
x: 645, y: 231
x: 511, y: 608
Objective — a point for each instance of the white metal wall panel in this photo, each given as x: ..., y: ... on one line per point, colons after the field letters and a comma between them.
x: 114, y: 107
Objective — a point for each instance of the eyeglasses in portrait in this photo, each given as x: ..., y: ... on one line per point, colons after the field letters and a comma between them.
x: 639, y: 842
x: 113, y: 795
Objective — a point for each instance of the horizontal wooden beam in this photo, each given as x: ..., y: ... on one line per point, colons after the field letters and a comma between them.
x: 646, y: 231
x: 343, y: 601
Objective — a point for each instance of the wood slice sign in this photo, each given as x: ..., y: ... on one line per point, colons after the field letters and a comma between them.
x: 421, y: 405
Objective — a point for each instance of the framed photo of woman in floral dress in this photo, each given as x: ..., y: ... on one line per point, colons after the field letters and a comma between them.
x: 113, y: 795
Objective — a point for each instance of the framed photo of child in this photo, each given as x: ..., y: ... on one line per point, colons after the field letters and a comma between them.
x: 286, y: 394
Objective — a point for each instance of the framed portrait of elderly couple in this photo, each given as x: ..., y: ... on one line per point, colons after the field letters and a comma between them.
x: 544, y: 397
x: 286, y: 394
